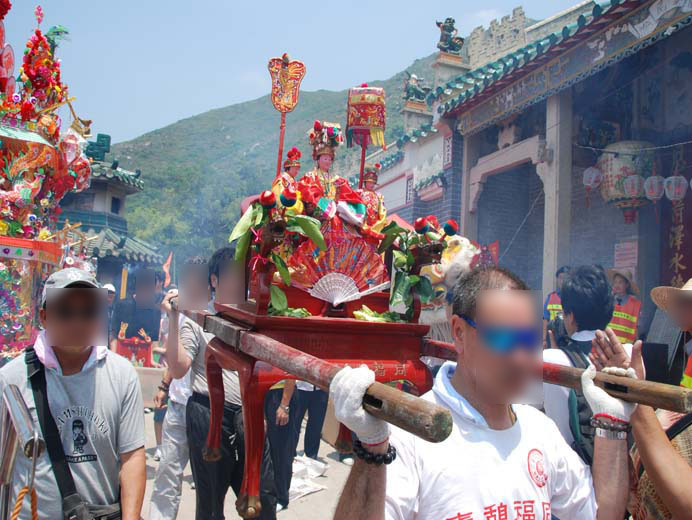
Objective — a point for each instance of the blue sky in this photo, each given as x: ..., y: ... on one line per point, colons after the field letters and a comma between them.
x: 135, y: 66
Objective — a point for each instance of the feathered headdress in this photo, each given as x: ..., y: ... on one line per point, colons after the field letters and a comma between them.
x: 324, y: 138
x: 292, y: 158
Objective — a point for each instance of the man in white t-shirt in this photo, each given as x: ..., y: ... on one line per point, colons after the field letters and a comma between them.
x: 501, y: 461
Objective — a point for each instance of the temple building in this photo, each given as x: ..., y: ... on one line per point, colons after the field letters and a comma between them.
x: 567, y: 136
x: 100, y: 210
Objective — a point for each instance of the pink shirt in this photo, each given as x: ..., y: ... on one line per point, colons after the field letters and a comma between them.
x: 46, y: 354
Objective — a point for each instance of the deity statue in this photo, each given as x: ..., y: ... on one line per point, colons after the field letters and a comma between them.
x: 449, y: 41
x: 414, y: 89
x: 287, y: 185
x: 375, y: 211
x: 323, y: 192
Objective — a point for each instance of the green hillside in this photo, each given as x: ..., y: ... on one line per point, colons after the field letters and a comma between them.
x: 198, y: 170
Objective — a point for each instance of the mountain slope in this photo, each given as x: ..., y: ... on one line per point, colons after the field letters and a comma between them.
x: 198, y: 170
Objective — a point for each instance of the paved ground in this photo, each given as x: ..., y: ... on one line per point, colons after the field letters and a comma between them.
x: 323, y: 501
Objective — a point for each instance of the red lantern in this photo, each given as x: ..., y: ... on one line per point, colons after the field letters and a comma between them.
x: 675, y: 187
x: 633, y: 186
x: 653, y: 188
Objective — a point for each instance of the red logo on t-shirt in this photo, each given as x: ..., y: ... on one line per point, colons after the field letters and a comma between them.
x: 537, y: 468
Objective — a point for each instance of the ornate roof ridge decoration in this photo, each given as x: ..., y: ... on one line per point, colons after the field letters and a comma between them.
x: 413, y: 135
x: 111, y: 171
x: 615, y: 30
x: 112, y: 243
x: 423, y: 183
x: 514, y: 63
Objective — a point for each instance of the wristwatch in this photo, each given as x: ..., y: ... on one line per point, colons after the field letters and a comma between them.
x: 611, y: 435
x: 286, y: 408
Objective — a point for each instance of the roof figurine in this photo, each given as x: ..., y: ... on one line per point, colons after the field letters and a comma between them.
x: 449, y: 41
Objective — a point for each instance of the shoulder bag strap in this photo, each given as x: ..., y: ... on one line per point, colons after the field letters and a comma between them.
x: 61, y: 470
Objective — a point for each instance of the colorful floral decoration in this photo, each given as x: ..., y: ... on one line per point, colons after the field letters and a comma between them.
x: 39, y: 165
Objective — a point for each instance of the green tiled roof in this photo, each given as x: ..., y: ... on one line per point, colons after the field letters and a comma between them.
x: 391, y: 160
x: 413, y: 135
x: 104, y: 170
x: 130, y: 249
x: 476, y: 81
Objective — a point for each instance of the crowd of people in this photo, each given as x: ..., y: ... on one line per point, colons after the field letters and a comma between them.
x: 566, y: 457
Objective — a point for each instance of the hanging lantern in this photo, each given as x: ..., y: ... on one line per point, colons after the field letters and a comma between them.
x: 675, y: 187
x: 653, y: 188
x: 624, y: 165
x: 633, y: 186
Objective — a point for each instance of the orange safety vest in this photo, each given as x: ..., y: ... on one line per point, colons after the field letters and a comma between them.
x: 554, y: 306
x: 687, y: 375
x: 624, y: 321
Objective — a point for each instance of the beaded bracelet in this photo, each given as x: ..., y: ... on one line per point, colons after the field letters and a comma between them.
x: 372, y: 458
x: 610, y: 426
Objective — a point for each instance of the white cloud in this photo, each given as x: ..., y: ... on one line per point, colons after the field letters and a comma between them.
x: 485, y: 16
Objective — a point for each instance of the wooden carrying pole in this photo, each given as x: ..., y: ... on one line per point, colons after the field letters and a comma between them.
x: 413, y: 414
x: 658, y: 395
x: 282, y: 133
x: 363, y: 149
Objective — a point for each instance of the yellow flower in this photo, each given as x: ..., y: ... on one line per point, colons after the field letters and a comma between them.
x: 44, y: 234
x: 3, y: 227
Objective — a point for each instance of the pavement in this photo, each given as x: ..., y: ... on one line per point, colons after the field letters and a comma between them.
x: 324, y: 501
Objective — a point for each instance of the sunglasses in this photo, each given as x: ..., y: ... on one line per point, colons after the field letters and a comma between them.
x: 90, y: 313
x: 504, y: 340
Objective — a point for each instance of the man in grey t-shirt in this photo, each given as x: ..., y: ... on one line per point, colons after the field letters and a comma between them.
x: 94, y: 397
x: 212, y: 479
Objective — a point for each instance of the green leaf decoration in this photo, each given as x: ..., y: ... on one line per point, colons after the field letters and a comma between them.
x: 243, y: 224
x: 433, y: 236
x: 282, y: 268
x: 278, y: 298
x: 400, y: 297
x: 424, y: 289
x: 414, y: 279
x: 242, y: 246
x: 311, y: 228
x: 259, y: 215
x: 399, y: 259
x: 391, y: 232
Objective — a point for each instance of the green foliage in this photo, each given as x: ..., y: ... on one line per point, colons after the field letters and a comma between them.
x: 311, y: 229
x: 197, y: 171
x: 278, y: 298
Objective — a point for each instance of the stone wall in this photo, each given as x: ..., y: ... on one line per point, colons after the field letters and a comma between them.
x: 500, y: 38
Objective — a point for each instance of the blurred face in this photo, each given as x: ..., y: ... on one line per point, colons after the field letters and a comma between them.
x: 324, y: 162
x: 229, y: 285
x: 501, y: 351
x: 194, y: 288
x: 620, y: 285
x: 681, y: 310
x: 560, y: 280
x: 293, y: 171
x: 370, y: 185
x: 110, y: 297
x: 145, y: 289
x: 74, y: 318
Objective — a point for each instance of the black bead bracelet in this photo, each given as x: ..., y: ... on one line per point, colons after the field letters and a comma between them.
x: 374, y: 458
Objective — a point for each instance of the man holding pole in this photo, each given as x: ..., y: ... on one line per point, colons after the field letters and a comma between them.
x: 501, y: 460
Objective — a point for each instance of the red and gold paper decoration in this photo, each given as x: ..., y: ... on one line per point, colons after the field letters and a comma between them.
x: 286, y: 77
x: 366, y: 115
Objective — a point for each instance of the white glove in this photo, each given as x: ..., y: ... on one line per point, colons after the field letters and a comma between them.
x: 600, y: 402
x: 347, y: 390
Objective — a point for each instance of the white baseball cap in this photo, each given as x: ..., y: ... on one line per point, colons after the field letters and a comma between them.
x: 109, y: 287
